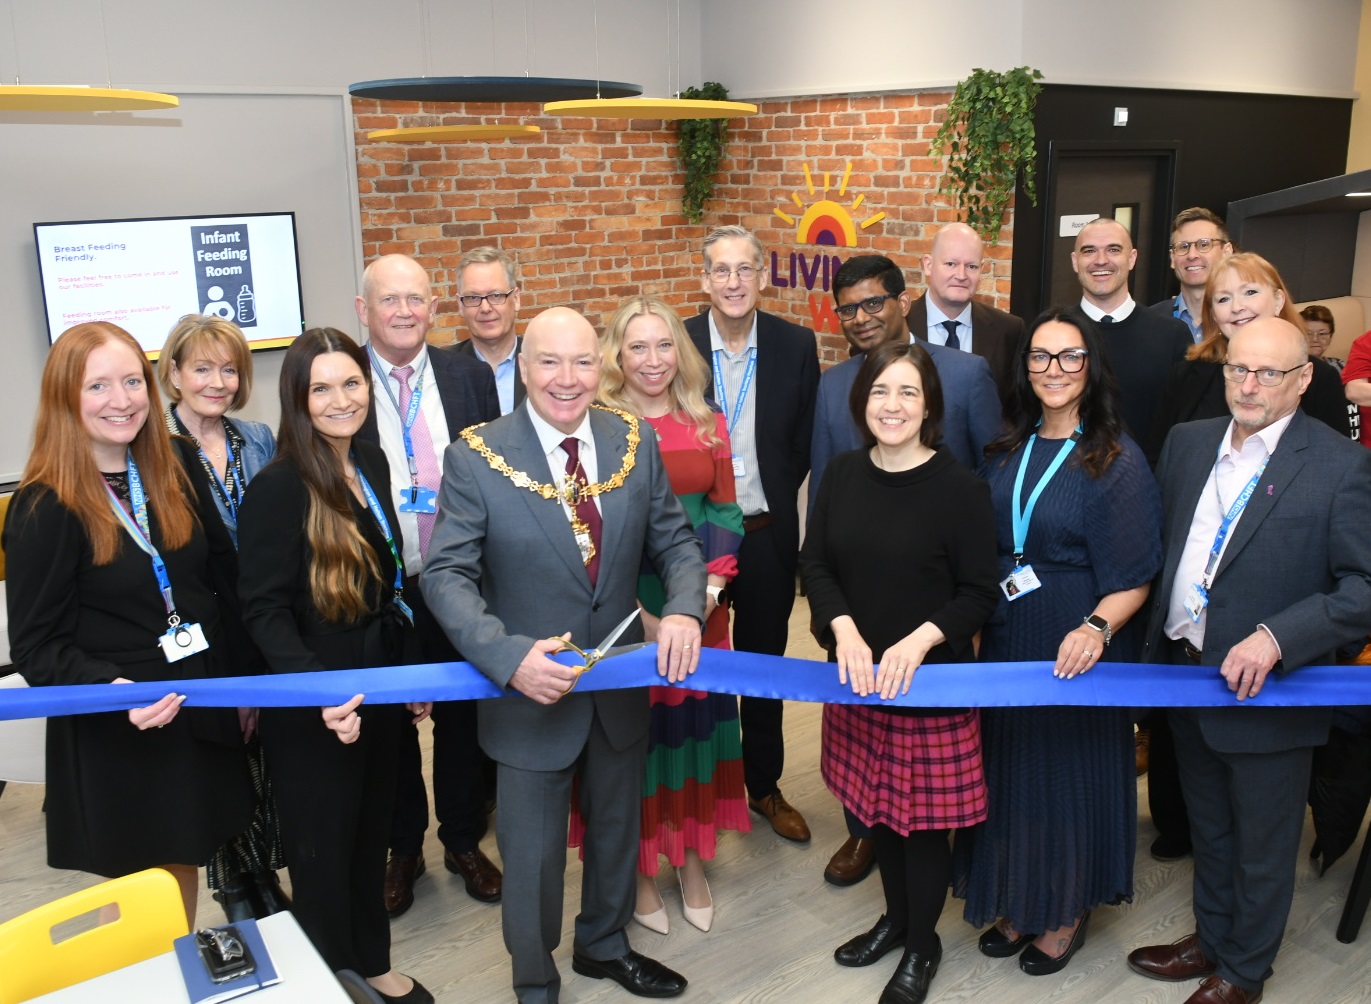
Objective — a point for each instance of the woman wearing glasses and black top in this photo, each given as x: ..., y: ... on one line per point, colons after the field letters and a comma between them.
x: 1078, y: 527
x: 318, y: 553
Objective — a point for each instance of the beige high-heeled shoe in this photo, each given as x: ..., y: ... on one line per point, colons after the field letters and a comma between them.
x: 697, y: 916
x: 656, y: 920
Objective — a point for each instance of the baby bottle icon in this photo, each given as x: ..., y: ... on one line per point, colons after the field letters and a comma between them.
x: 247, y: 306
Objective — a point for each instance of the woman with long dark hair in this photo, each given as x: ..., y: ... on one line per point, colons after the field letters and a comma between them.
x: 109, y: 582
x: 899, y: 564
x: 1078, y: 529
x: 320, y: 585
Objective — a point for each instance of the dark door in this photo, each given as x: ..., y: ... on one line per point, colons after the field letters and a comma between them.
x: 1129, y: 184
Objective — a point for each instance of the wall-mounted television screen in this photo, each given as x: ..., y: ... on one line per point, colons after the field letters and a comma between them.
x: 145, y: 274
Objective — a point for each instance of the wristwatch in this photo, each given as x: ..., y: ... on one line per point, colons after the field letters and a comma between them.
x: 717, y: 592
x: 1101, y: 625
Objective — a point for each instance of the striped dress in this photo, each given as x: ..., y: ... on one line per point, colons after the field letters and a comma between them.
x: 693, y: 784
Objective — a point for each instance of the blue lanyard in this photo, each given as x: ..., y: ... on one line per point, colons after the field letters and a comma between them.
x: 722, y: 395
x: 379, y: 514
x: 407, y: 422
x: 1234, y: 511
x: 141, y: 533
x: 232, y: 494
x: 1023, y: 515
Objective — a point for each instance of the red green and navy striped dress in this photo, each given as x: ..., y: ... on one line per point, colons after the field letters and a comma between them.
x: 693, y: 784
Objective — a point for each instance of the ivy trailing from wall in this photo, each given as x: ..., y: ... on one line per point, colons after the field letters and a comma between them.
x: 701, y: 150
x: 989, y: 140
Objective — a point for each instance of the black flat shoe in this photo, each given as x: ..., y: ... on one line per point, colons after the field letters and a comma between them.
x: 267, y: 895
x: 870, y: 947
x: 417, y: 995
x: 994, y: 944
x: 1035, y: 962
x: 635, y: 973
x: 910, y: 983
x: 236, y: 899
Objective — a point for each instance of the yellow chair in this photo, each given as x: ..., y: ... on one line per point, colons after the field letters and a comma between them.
x: 151, y: 917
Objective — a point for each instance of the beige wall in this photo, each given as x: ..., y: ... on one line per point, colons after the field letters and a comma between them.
x: 1359, y: 142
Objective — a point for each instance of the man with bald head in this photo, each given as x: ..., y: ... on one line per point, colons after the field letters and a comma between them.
x: 948, y: 315
x: 421, y: 398
x: 1268, y: 568
x: 1142, y: 345
x: 546, y: 516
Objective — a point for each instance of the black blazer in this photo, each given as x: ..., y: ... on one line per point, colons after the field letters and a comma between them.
x: 465, y: 386
x: 467, y: 349
x: 995, y: 337
x: 786, y: 384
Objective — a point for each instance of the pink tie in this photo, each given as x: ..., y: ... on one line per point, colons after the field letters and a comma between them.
x: 425, y: 457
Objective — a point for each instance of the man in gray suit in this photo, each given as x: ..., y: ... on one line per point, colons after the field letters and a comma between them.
x: 545, y: 517
x: 1268, y: 568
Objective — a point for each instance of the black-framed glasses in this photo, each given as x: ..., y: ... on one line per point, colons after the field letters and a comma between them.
x: 872, y: 305
x: 1268, y: 377
x: 720, y: 274
x: 1203, y: 245
x: 494, y: 299
x: 1070, y: 360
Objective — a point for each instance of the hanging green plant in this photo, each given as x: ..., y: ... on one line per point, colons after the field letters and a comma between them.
x: 701, y: 150
x: 989, y: 141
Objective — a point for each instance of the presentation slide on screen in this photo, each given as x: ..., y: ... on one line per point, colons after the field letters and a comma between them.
x: 144, y: 275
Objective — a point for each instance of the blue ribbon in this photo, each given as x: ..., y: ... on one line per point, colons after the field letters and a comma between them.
x: 995, y: 684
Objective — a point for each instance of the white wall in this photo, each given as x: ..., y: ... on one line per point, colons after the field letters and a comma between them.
x: 820, y: 47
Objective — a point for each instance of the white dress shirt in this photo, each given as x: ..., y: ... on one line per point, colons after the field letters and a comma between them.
x: 550, y: 440
x: 937, y: 334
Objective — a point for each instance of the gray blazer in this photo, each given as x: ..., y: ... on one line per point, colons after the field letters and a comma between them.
x: 1298, y: 561
x: 503, y: 571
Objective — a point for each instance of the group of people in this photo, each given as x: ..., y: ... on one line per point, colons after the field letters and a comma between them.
x: 979, y: 490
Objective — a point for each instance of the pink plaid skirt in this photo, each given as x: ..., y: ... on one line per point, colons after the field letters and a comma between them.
x: 906, y: 772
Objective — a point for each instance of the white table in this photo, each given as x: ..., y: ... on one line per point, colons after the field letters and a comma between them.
x: 305, y: 977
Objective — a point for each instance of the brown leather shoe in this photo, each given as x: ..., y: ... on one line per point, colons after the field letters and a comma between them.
x: 1180, y: 960
x: 401, y: 871
x: 785, y: 819
x: 851, y: 863
x: 1142, y: 743
x: 1219, y: 991
x: 483, y: 880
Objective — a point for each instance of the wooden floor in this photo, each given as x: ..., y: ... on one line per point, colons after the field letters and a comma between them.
x: 777, y: 921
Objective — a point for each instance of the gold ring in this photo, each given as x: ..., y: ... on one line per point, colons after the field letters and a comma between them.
x: 688, y: 647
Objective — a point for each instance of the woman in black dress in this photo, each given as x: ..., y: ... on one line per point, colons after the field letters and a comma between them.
x: 101, y: 495
x: 320, y: 587
x: 899, y: 559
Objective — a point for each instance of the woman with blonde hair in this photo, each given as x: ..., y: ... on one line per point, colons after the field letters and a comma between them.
x: 1244, y: 287
x: 109, y: 582
x: 693, y: 785
x: 205, y: 370
x: 320, y: 582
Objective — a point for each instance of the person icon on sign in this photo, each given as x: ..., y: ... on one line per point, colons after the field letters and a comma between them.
x: 218, y: 306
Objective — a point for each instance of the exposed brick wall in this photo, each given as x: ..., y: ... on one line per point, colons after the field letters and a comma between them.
x: 593, y: 212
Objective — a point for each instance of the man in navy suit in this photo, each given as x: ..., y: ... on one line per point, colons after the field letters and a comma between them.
x: 488, y: 291
x: 764, y: 372
x: 1268, y: 568
x: 873, y: 307
x: 454, y: 391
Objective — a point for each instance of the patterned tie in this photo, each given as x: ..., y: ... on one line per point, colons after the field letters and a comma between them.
x: 425, y: 457
x: 953, y: 342
x: 585, y: 505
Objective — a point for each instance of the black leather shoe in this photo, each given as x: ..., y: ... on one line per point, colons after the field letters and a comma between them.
x: 401, y: 871
x: 418, y: 994
x: 994, y: 943
x: 236, y: 899
x: 267, y: 895
x: 1170, y: 848
x: 910, y: 983
x: 870, y: 947
x: 483, y: 880
x: 1035, y: 962
x: 635, y: 973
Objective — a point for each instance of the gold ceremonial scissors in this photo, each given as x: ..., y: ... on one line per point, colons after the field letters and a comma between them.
x: 601, y: 651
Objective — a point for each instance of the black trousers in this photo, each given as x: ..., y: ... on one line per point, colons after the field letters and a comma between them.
x: 459, y: 791
x: 763, y: 594
x: 1165, y: 800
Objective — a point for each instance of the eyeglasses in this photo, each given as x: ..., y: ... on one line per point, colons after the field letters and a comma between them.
x: 1234, y: 373
x: 495, y: 299
x: 720, y: 274
x: 1070, y: 360
x: 1202, y: 245
x: 872, y: 305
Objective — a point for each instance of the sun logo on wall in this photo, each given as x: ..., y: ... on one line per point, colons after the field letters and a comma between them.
x: 825, y: 222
